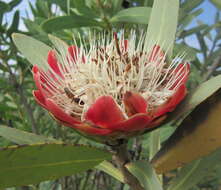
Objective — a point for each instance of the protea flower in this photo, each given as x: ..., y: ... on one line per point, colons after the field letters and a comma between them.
x: 112, y: 89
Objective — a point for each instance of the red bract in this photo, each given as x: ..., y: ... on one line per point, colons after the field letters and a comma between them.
x: 113, y: 90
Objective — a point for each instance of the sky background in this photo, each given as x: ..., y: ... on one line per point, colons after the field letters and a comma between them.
x: 207, y: 16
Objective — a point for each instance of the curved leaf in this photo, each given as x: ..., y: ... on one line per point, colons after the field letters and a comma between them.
x: 137, y: 15
x: 191, y: 174
x: 22, y: 137
x: 66, y: 22
x: 146, y: 175
x: 197, y: 136
x: 35, y: 51
x: 108, y: 168
x: 22, y: 165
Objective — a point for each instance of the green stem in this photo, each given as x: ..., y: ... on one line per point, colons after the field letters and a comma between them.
x: 121, y: 158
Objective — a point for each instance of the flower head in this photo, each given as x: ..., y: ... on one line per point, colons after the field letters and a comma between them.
x: 112, y: 88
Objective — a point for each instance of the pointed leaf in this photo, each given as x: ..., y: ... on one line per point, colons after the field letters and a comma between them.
x: 108, y: 168
x: 66, y: 22
x: 189, y: 5
x: 35, y: 51
x: 137, y: 15
x: 145, y: 174
x: 162, y: 25
x: 191, y: 174
x: 197, y: 136
x: 22, y: 137
x: 23, y: 165
x: 15, y: 23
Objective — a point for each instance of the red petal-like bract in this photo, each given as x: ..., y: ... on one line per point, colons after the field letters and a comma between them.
x: 105, y: 117
x: 60, y: 114
x: 104, y: 112
x: 134, y: 103
x: 135, y: 123
x: 39, y: 98
x: 172, y: 103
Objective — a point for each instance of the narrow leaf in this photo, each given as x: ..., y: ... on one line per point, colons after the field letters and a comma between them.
x: 191, y: 174
x: 23, y: 165
x: 145, y: 174
x: 193, y: 30
x: 137, y: 15
x: 197, y: 136
x: 189, y: 5
x: 108, y: 168
x: 15, y: 23
x: 22, y: 137
x: 162, y: 25
x: 66, y: 22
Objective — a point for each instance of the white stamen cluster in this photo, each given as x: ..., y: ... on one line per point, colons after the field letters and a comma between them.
x: 106, y: 67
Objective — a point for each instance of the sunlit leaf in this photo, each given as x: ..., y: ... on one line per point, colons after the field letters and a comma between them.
x: 197, y: 136
x: 138, y: 15
x: 163, y: 24
x: 35, y: 51
x: 32, y: 164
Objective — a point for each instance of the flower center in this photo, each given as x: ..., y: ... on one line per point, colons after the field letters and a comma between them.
x: 112, y: 66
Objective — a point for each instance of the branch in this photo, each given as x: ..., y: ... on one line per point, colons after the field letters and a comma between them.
x: 121, y: 158
x: 213, y: 67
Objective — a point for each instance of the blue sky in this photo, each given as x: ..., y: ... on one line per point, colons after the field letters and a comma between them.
x: 207, y: 16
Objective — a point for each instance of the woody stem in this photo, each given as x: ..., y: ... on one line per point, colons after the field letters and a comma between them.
x: 121, y: 158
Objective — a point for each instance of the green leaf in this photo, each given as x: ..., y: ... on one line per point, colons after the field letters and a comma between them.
x: 198, y: 135
x: 148, y: 3
x: 22, y: 165
x: 145, y: 174
x: 15, y: 23
x: 4, y: 7
x: 191, y: 174
x: 202, y: 92
x: 186, y: 19
x: 217, y: 3
x: 35, y: 51
x: 162, y: 25
x: 190, y: 52
x: 116, y: 4
x: 189, y: 5
x: 193, y: 30
x: 66, y: 22
x: 22, y: 137
x: 14, y: 3
x: 138, y: 15
x: 108, y: 168
x: 83, y: 9
x: 154, y: 143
